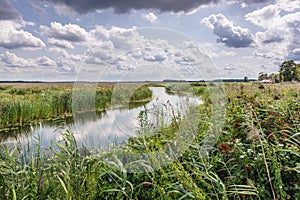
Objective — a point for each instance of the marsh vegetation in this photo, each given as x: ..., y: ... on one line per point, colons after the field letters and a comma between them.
x: 255, y: 157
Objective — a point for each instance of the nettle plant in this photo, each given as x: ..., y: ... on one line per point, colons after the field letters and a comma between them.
x: 257, y: 155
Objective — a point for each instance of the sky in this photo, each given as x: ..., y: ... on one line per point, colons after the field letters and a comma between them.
x: 111, y: 40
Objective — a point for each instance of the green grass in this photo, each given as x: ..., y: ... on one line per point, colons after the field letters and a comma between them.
x: 256, y: 157
x: 22, y: 104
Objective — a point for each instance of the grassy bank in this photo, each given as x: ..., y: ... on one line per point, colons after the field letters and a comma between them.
x: 26, y: 103
x: 256, y: 157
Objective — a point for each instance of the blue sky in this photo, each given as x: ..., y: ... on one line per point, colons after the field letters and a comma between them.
x: 61, y: 40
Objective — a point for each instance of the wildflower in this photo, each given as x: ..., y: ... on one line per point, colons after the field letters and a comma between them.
x: 281, y: 145
x: 224, y: 146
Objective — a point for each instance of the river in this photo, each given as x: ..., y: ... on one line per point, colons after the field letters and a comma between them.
x: 112, y: 126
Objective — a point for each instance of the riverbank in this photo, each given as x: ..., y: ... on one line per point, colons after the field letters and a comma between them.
x: 27, y: 103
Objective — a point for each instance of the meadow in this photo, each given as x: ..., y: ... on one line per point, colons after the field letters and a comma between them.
x: 256, y: 156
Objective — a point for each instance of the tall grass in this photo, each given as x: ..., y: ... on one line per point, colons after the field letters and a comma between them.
x: 21, y: 105
x: 256, y: 157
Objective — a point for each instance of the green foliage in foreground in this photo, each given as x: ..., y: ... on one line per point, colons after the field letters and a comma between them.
x: 256, y: 157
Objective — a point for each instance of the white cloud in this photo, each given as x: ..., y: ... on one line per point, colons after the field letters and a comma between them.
x: 66, y: 65
x: 122, y: 50
x: 229, y: 34
x: 60, y: 43
x: 67, y: 32
x: 282, y: 30
x: 99, y: 33
x: 288, y: 5
x: 28, y: 71
x: 45, y: 61
x: 69, y: 63
x: 151, y: 17
x: 11, y: 37
x: 267, y: 17
x: 12, y: 60
x: 271, y: 36
x: 293, y: 25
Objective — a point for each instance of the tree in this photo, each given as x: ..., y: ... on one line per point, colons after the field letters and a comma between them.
x: 262, y: 76
x: 274, y: 77
x: 297, y: 72
x: 246, y: 79
x: 289, y: 71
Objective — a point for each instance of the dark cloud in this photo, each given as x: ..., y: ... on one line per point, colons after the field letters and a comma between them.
x: 249, y: 2
x: 228, y: 33
x: 7, y: 12
x: 125, y: 6
x: 276, y: 39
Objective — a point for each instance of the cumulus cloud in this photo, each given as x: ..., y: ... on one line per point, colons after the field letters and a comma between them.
x: 20, y: 68
x: 7, y: 12
x: 38, y: 68
x: 12, y: 38
x: 229, y: 34
x: 288, y: 5
x: 129, y: 49
x: 266, y: 17
x: 270, y: 36
x: 68, y: 63
x: 45, y: 61
x: 60, y: 43
x: 12, y: 60
x: 293, y: 25
x: 282, y: 29
x: 68, y: 32
x: 151, y: 17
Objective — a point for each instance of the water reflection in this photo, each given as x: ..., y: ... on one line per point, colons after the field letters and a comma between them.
x: 113, y: 126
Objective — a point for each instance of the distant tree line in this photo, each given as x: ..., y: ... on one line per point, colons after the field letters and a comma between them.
x: 288, y: 71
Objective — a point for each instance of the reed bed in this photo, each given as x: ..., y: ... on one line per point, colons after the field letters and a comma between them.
x: 25, y: 104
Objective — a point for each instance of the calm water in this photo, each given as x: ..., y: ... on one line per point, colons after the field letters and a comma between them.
x: 112, y: 126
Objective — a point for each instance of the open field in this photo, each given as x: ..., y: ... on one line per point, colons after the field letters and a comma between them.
x: 256, y: 156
